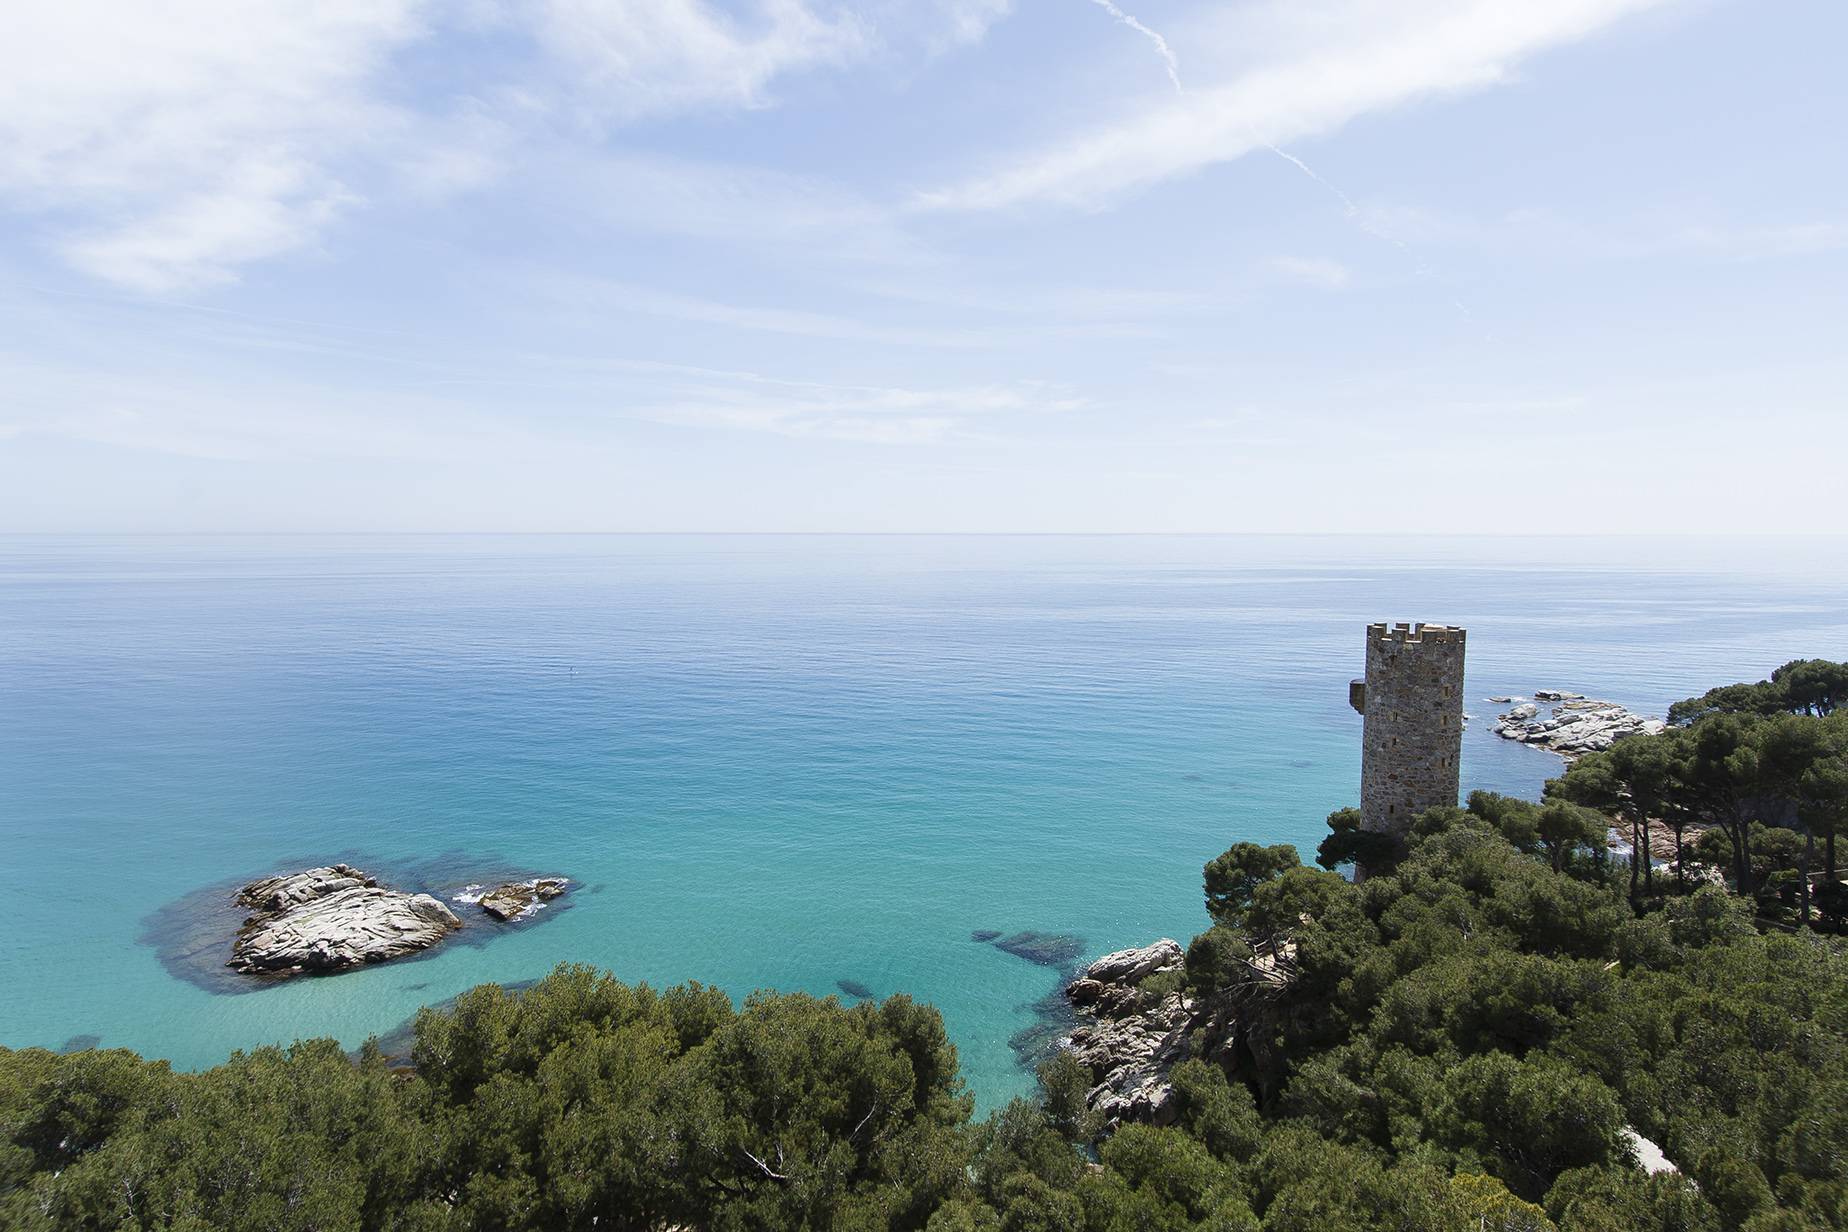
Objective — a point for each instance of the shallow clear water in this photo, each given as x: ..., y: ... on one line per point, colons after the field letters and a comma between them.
x: 768, y: 761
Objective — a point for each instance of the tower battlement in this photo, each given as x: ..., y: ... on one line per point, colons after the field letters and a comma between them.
x: 1417, y: 634
x: 1412, y: 741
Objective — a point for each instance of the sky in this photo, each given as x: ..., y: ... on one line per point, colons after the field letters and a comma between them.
x: 1387, y: 266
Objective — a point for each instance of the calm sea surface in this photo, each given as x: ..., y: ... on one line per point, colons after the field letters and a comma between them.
x: 768, y: 762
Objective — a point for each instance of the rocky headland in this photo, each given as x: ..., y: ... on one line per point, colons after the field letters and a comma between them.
x: 1572, y: 726
x: 338, y: 917
x: 1136, y: 1026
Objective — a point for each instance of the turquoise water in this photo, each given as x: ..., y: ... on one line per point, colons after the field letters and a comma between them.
x: 768, y: 761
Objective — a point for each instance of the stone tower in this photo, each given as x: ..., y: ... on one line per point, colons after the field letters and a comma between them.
x: 1412, y: 741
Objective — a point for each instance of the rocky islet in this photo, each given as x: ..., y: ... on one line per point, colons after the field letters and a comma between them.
x: 1574, y: 726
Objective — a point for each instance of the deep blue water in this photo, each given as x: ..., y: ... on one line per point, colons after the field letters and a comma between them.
x: 769, y: 761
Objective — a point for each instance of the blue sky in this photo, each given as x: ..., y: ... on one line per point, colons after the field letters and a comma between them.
x: 961, y: 265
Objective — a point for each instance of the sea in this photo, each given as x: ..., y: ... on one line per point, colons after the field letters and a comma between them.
x: 805, y: 763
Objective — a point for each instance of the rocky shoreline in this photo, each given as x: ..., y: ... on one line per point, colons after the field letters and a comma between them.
x: 1136, y: 1026
x: 1574, y: 726
x: 335, y: 918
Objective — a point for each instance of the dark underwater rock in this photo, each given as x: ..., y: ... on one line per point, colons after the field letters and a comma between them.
x: 1053, y: 1023
x: 1045, y: 949
x: 79, y: 1043
x: 855, y: 989
x: 984, y: 935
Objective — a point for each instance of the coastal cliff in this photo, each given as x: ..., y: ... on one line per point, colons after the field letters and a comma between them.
x: 1139, y: 1021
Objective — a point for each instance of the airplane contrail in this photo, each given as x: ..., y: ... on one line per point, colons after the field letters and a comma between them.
x: 1161, y: 44
x: 1348, y: 205
x: 1173, y: 64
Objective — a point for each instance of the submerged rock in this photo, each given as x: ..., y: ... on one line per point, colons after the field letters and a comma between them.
x: 855, y: 989
x: 516, y: 899
x: 331, y: 919
x: 984, y: 935
x: 1046, y: 949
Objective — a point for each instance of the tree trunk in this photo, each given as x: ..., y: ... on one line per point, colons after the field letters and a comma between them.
x: 1648, y: 860
x: 1635, y: 839
x: 1809, y: 860
x: 1680, y: 828
x: 1828, y: 853
x: 1742, y: 855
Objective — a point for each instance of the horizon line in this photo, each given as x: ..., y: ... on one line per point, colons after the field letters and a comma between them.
x: 930, y: 534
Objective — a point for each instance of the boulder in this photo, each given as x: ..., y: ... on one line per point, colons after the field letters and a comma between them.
x: 1132, y: 966
x: 515, y: 899
x: 331, y: 919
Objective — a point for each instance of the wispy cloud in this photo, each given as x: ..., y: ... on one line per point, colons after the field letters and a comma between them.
x: 645, y: 56
x: 165, y: 147
x: 605, y: 296
x: 1365, y: 57
x: 967, y: 21
x: 1156, y: 40
x: 1553, y: 234
x: 807, y: 218
x: 868, y: 414
x: 189, y: 138
x: 1319, y: 272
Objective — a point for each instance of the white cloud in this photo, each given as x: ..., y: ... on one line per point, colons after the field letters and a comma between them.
x: 869, y: 414
x: 165, y: 146
x: 1326, y: 63
x: 605, y: 296
x: 1551, y: 235
x: 968, y: 20
x: 1745, y: 243
x: 771, y: 211
x: 643, y: 56
x: 1311, y: 271
x: 189, y: 137
x: 258, y: 210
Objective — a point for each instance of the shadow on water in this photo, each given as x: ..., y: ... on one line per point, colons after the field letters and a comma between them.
x: 1053, y: 1018
x: 192, y: 935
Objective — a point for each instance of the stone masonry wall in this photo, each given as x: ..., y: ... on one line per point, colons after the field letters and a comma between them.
x: 1412, y: 742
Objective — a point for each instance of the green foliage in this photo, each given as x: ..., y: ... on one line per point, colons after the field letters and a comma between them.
x: 1232, y: 878
x: 582, y: 1102
x: 1348, y: 844
x: 1461, y: 1042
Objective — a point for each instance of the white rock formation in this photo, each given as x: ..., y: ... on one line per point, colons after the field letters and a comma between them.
x: 330, y: 919
x: 1575, y: 727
